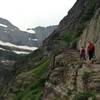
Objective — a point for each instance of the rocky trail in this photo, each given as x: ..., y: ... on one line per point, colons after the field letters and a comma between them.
x: 70, y: 76
x: 96, y: 75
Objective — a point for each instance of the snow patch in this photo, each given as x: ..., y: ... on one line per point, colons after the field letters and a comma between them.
x: 21, y: 52
x: 31, y: 31
x: 16, y: 46
x: 33, y: 39
x: 3, y: 25
x: 3, y: 61
x: 2, y: 49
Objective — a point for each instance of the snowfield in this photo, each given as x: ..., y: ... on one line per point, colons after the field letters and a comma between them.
x: 17, y: 46
x: 2, y: 49
x: 21, y: 52
x: 3, y: 25
x: 31, y: 31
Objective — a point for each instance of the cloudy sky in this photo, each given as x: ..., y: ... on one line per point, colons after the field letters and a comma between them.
x: 31, y: 13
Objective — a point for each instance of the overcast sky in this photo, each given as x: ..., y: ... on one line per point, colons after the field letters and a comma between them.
x: 31, y: 13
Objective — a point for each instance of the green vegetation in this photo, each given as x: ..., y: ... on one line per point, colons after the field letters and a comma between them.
x: 34, y: 91
x: 10, y: 48
x: 32, y: 60
x: 85, y: 77
x: 90, y: 12
x: 10, y: 55
x: 57, y: 98
x: 69, y: 39
x: 85, y: 96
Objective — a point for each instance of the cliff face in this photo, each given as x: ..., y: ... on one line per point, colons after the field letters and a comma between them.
x: 69, y: 78
x: 92, y: 33
x: 74, y: 23
x: 43, y: 32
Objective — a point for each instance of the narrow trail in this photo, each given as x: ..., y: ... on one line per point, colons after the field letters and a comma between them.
x: 95, y: 78
x: 95, y: 67
x: 72, y: 75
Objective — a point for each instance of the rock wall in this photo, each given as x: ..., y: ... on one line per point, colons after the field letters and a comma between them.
x: 74, y: 23
x: 92, y: 33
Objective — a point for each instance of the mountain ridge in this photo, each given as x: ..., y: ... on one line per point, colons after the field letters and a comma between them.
x: 43, y: 32
x: 12, y: 34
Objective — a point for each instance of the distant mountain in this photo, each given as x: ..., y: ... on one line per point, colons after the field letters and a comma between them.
x: 43, y: 32
x: 10, y: 33
x: 13, y: 42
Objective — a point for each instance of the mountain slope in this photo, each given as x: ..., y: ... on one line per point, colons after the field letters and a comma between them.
x: 43, y: 32
x: 14, y: 41
x: 72, y: 25
x: 10, y: 33
x: 54, y: 72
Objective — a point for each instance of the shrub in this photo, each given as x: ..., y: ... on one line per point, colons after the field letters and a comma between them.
x: 85, y: 96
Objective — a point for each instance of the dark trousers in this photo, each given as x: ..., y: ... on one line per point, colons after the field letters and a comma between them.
x: 82, y: 56
x: 90, y: 53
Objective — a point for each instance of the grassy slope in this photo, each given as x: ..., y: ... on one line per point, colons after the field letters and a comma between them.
x: 10, y: 55
x: 35, y: 89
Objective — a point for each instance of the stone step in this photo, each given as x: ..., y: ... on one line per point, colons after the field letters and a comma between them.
x: 96, y: 80
x: 95, y: 72
x: 97, y: 77
x: 95, y: 66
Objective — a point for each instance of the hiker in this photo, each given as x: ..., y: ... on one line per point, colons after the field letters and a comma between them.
x: 83, y: 53
x: 91, y: 51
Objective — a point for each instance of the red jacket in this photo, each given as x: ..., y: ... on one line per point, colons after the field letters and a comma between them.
x: 90, y: 47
